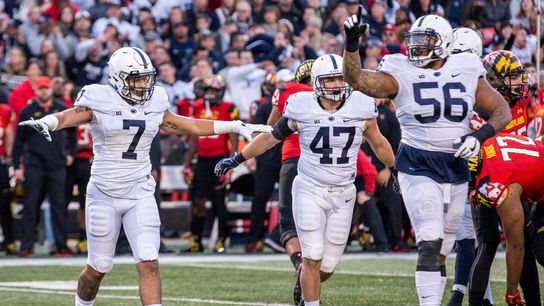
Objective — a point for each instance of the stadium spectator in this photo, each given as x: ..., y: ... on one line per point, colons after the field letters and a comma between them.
x: 56, y: 8
x: 524, y: 50
x: 91, y: 63
x: 66, y: 21
x: 493, y: 12
x: 289, y: 11
x: 53, y: 66
x: 175, y: 89
x: 43, y: 169
x: 18, y: 98
x: 114, y: 16
x: 81, y: 31
x: 181, y: 44
x: 201, y: 7
x: 15, y: 63
x: 48, y: 30
x: 225, y: 11
x: 526, y: 11
x: 334, y: 24
x: 376, y: 20
x: 13, y: 37
x: 271, y: 17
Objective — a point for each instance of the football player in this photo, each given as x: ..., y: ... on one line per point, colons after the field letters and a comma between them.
x: 290, y: 154
x: 509, y: 173
x: 434, y: 93
x: 124, y: 117
x: 331, y: 123
x: 508, y: 76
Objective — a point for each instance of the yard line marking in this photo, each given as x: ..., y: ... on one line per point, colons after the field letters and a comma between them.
x: 125, y: 297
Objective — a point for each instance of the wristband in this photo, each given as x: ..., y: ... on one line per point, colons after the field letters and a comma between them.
x: 51, y: 121
x: 224, y: 127
x: 239, y: 158
x: 483, y: 133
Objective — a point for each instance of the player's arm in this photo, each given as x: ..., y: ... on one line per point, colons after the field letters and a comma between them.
x: 9, y: 138
x: 201, y: 127
x: 68, y: 118
x: 262, y: 143
x: 512, y: 219
x: 274, y: 116
x: 493, y: 103
x: 379, y: 143
x: 375, y: 84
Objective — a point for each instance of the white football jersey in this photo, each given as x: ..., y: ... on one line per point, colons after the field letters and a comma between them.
x: 434, y: 106
x: 329, y: 142
x: 122, y: 136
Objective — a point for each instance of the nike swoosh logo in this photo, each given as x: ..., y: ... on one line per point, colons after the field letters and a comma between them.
x: 349, y: 200
x: 147, y: 113
x: 347, y: 120
x: 454, y: 75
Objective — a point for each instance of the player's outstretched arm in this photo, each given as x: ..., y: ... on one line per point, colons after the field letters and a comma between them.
x: 68, y: 118
x: 512, y: 219
x: 201, y: 127
x: 379, y: 143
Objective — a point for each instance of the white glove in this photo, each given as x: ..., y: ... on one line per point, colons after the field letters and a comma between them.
x: 469, y: 148
x: 39, y: 126
x: 246, y: 129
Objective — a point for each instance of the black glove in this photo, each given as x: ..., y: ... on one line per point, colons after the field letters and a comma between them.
x: 355, y: 29
x: 224, y: 165
x: 396, y: 186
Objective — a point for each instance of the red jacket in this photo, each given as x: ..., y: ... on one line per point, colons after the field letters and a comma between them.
x: 20, y: 95
x: 54, y: 10
x: 366, y: 169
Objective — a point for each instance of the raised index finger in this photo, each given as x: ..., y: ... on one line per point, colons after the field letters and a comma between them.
x: 360, y: 13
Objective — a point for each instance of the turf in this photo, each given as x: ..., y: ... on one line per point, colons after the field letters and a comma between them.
x: 358, y: 282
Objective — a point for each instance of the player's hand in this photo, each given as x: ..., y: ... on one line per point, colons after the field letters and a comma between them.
x: 513, y: 300
x: 354, y: 27
x: 224, y: 165
x: 467, y: 147
x: 39, y: 126
x: 246, y: 129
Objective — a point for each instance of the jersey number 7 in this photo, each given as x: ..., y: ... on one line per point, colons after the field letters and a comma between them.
x: 127, y: 123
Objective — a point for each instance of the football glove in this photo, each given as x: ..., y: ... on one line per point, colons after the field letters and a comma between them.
x: 224, y: 165
x: 396, y: 186
x: 39, y: 126
x: 246, y: 129
x: 355, y: 28
x: 513, y: 300
x: 467, y: 147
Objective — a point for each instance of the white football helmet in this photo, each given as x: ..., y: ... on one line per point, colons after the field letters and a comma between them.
x: 466, y: 40
x: 430, y: 38
x: 132, y: 74
x: 327, y: 66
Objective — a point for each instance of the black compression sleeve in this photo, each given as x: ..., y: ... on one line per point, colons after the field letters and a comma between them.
x: 281, y: 129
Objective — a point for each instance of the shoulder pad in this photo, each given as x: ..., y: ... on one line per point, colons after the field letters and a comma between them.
x: 469, y: 63
x: 294, y: 106
x: 159, y: 100
x: 394, y: 63
x: 96, y: 97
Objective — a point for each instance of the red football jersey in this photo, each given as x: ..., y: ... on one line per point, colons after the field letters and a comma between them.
x: 538, y: 120
x: 216, y: 145
x: 6, y: 117
x: 508, y: 159
x: 291, y: 146
x: 518, y: 124
x: 84, y: 142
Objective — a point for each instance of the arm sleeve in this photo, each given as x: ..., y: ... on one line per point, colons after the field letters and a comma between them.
x: 281, y: 129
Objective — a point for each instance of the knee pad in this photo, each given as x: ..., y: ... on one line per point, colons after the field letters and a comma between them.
x: 427, y: 259
x: 102, y: 264
x: 328, y: 264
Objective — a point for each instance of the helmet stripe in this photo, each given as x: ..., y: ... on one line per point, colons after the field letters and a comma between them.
x: 142, y: 56
x: 421, y: 21
x: 334, y: 64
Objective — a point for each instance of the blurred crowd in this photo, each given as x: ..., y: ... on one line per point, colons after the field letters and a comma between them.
x: 253, y: 45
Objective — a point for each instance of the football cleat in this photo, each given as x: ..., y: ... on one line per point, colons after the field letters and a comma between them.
x: 456, y: 298
x: 81, y: 247
x: 194, y: 246
x: 219, y: 246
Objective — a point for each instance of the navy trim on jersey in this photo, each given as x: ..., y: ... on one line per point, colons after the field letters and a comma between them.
x: 439, y: 166
x: 142, y: 56
x: 334, y: 64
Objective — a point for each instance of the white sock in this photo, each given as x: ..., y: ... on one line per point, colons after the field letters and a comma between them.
x: 460, y: 288
x: 487, y: 295
x: 80, y: 302
x: 428, y: 286
x: 312, y: 303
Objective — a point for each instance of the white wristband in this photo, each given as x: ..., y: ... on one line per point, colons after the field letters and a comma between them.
x: 224, y: 127
x: 51, y: 121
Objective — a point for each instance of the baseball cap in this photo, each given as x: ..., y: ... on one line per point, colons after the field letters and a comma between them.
x: 43, y: 81
x: 390, y: 27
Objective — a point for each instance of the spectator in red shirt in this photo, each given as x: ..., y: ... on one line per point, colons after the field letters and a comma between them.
x: 21, y: 94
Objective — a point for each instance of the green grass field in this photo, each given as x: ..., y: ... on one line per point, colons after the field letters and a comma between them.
x: 239, y: 280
